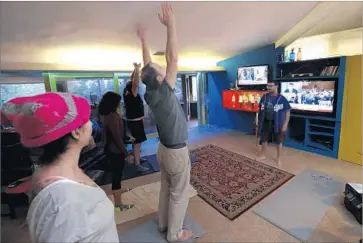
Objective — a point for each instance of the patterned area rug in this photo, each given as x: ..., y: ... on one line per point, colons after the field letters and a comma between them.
x: 232, y: 183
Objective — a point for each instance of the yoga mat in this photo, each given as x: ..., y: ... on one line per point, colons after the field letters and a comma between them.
x: 145, y: 199
x: 148, y: 232
x: 299, y: 206
x: 130, y: 171
x: 153, y: 161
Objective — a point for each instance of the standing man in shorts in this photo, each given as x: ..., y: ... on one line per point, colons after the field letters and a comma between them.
x: 173, y: 154
x: 273, y: 117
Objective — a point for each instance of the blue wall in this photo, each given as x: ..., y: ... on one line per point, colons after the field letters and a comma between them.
x: 219, y: 81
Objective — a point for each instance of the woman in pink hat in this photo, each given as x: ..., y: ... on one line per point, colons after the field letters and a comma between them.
x: 67, y: 205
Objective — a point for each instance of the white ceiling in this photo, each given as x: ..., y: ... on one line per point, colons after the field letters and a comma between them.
x: 219, y: 29
x: 340, y: 16
x: 325, y: 18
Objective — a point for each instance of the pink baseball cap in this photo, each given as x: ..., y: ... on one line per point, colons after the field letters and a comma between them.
x: 44, y: 118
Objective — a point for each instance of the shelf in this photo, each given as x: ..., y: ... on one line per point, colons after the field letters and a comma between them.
x: 306, y: 61
x: 308, y: 78
x: 322, y: 134
x: 319, y: 146
x: 311, y: 117
x: 322, y: 126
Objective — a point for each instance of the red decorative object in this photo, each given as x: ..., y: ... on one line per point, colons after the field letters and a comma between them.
x: 242, y: 100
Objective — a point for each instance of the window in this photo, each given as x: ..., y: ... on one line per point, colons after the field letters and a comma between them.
x: 91, y: 89
x: 106, y: 84
x: 10, y: 91
x: 122, y: 82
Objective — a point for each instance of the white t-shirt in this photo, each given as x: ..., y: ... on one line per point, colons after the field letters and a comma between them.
x: 67, y: 211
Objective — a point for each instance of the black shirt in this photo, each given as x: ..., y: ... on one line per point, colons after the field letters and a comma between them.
x: 134, y: 106
x: 269, y: 109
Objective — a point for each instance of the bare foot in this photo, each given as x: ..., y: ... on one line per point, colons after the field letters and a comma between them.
x: 187, y: 234
x: 23, y: 225
x: 278, y: 161
x: 123, y: 190
x: 162, y: 229
x: 260, y: 158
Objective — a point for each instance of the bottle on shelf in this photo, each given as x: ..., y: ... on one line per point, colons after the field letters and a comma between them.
x: 299, y: 55
x: 287, y: 59
x: 292, y: 55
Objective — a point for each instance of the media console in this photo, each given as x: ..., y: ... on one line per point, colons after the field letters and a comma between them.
x: 315, y: 132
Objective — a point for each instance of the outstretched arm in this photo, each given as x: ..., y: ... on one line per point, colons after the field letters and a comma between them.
x: 171, y: 51
x: 135, y: 79
x: 145, y: 48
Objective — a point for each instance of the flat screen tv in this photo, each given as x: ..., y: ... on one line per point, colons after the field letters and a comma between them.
x: 310, y: 96
x: 253, y: 75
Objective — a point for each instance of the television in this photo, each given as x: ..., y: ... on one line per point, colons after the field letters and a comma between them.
x: 310, y: 96
x: 252, y: 75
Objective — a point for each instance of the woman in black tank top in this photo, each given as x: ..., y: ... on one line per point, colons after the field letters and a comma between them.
x: 134, y: 108
x: 134, y: 105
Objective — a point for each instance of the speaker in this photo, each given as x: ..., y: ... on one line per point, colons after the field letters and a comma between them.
x: 353, y: 200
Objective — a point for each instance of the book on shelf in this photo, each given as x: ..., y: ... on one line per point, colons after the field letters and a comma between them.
x: 330, y: 71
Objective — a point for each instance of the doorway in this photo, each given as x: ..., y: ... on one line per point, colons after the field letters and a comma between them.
x: 189, y: 98
x: 194, y: 89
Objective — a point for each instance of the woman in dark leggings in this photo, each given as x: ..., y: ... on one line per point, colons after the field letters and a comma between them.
x: 115, y: 148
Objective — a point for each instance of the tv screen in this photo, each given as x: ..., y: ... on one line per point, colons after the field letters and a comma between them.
x: 317, y: 96
x: 255, y: 75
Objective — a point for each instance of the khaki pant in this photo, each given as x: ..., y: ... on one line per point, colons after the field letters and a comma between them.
x: 174, y: 191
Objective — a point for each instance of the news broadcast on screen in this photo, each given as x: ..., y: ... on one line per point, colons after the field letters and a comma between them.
x: 255, y: 75
x: 317, y: 96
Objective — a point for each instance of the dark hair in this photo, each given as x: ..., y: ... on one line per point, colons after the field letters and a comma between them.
x: 53, y: 150
x: 128, y: 87
x: 273, y: 81
x: 109, y: 103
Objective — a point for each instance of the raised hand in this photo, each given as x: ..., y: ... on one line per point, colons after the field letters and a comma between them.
x: 167, y: 15
x: 141, y: 32
x: 137, y: 65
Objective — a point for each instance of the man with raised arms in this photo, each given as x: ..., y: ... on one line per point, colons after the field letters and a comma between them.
x: 173, y: 153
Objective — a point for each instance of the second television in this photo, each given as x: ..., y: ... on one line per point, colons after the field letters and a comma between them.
x: 252, y: 75
x: 310, y: 96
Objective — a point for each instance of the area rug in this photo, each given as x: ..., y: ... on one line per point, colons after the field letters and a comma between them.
x: 145, y: 199
x: 232, y: 183
x: 298, y: 207
x: 148, y: 232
